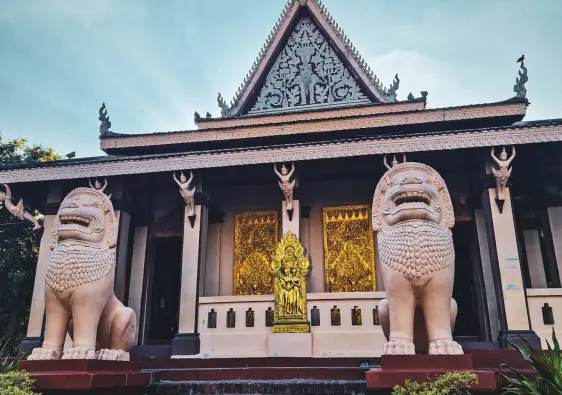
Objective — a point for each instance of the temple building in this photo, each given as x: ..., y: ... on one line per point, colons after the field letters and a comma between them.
x: 300, y: 148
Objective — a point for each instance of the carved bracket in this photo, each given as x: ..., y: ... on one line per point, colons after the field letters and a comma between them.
x: 502, y: 174
x: 18, y: 211
x: 187, y: 194
x: 287, y: 186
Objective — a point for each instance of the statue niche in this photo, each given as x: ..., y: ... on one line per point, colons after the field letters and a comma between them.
x: 79, y: 281
x: 413, y: 216
x: 290, y: 267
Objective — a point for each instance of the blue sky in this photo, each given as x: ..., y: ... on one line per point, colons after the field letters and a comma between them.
x: 155, y: 62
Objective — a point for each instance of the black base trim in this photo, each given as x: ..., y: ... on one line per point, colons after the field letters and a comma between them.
x: 151, y: 351
x: 186, y: 344
x: 28, y: 344
x: 515, y: 338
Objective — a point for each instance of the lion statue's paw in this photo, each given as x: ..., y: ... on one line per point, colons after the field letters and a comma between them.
x: 79, y: 353
x: 43, y: 353
x: 445, y: 347
x: 112, y: 355
x: 399, y: 347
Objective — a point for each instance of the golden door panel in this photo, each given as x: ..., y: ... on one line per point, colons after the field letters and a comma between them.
x: 256, y: 235
x: 349, y: 253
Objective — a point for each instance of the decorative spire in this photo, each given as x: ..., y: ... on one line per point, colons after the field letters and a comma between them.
x: 393, y: 88
x: 105, y: 122
x: 196, y: 117
x: 519, y: 88
x: 222, y: 105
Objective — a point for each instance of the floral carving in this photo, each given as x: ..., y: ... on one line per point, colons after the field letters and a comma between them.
x: 255, y: 238
x: 307, y: 73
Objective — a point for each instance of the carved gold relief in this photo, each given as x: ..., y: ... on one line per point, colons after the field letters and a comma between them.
x: 348, y: 249
x: 290, y: 267
x: 255, y: 239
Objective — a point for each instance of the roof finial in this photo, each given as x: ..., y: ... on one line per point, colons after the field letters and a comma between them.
x: 222, y: 105
x: 519, y: 88
x: 393, y: 88
x: 196, y: 117
x: 105, y: 122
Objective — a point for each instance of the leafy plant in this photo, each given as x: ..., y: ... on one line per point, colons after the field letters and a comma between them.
x: 452, y: 383
x: 16, y: 383
x: 8, y: 363
x: 548, y: 365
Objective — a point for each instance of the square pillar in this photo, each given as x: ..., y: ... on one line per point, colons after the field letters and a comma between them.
x: 504, y: 255
x: 137, y: 271
x: 37, y: 310
x: 291, y: 222
x: 186, y: 341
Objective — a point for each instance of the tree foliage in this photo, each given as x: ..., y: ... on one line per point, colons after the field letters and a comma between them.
x: 18, y: 250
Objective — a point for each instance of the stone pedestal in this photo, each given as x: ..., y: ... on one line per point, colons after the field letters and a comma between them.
x: 88, y: 376
x: 289, y: 345
x: 396, y: 369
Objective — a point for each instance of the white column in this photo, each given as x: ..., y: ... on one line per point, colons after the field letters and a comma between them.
x: 514, y: 298
x: 37, y: 310
x: 137, y: 271
x: 291, y: 223
x: 186, y: 342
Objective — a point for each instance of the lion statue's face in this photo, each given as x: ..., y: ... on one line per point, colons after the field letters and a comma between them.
x: 85, y: 215
x: 411, y: 197
x: 413, y: 217
x: 412, y: 191
x: 83, y: 240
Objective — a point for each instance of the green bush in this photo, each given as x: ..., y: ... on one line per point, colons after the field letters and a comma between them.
x: 16, y: 383
x: 453, y: 383
x: 547, y: 364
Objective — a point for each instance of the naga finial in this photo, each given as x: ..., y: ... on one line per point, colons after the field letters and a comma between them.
x: 104, y: 119
x: 17, y: 210
x: 394, y: 87
x: 519, y: 87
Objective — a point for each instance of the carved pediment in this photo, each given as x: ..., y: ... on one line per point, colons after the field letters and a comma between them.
x: 306, y: 62
x: 307, y: 73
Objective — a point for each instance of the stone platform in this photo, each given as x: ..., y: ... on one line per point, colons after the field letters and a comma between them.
x: 278, y: 375
x: 396, y: 369
x: 102, y: 377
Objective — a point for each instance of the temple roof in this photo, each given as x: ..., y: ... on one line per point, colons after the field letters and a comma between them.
x: 520, y: 133
x: 307, y: 61
x: 359, y: 118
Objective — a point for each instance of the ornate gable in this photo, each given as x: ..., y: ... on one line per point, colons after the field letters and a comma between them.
x: 307, y: 73
x: 307, y: 62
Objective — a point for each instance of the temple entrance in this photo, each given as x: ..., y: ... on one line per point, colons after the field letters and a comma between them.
x: 165, y: 289
x: 468, y: 325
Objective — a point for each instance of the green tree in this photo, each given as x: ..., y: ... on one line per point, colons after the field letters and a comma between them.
x: 18, y: 250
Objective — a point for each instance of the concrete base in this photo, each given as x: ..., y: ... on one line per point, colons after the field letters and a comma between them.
x: 518, y: 337
x: 347, y: 344
x: 289, y: 345
x: 397, y: 369
x: 89, y: 376
x: 28, y: 344
x: 185, y: 344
